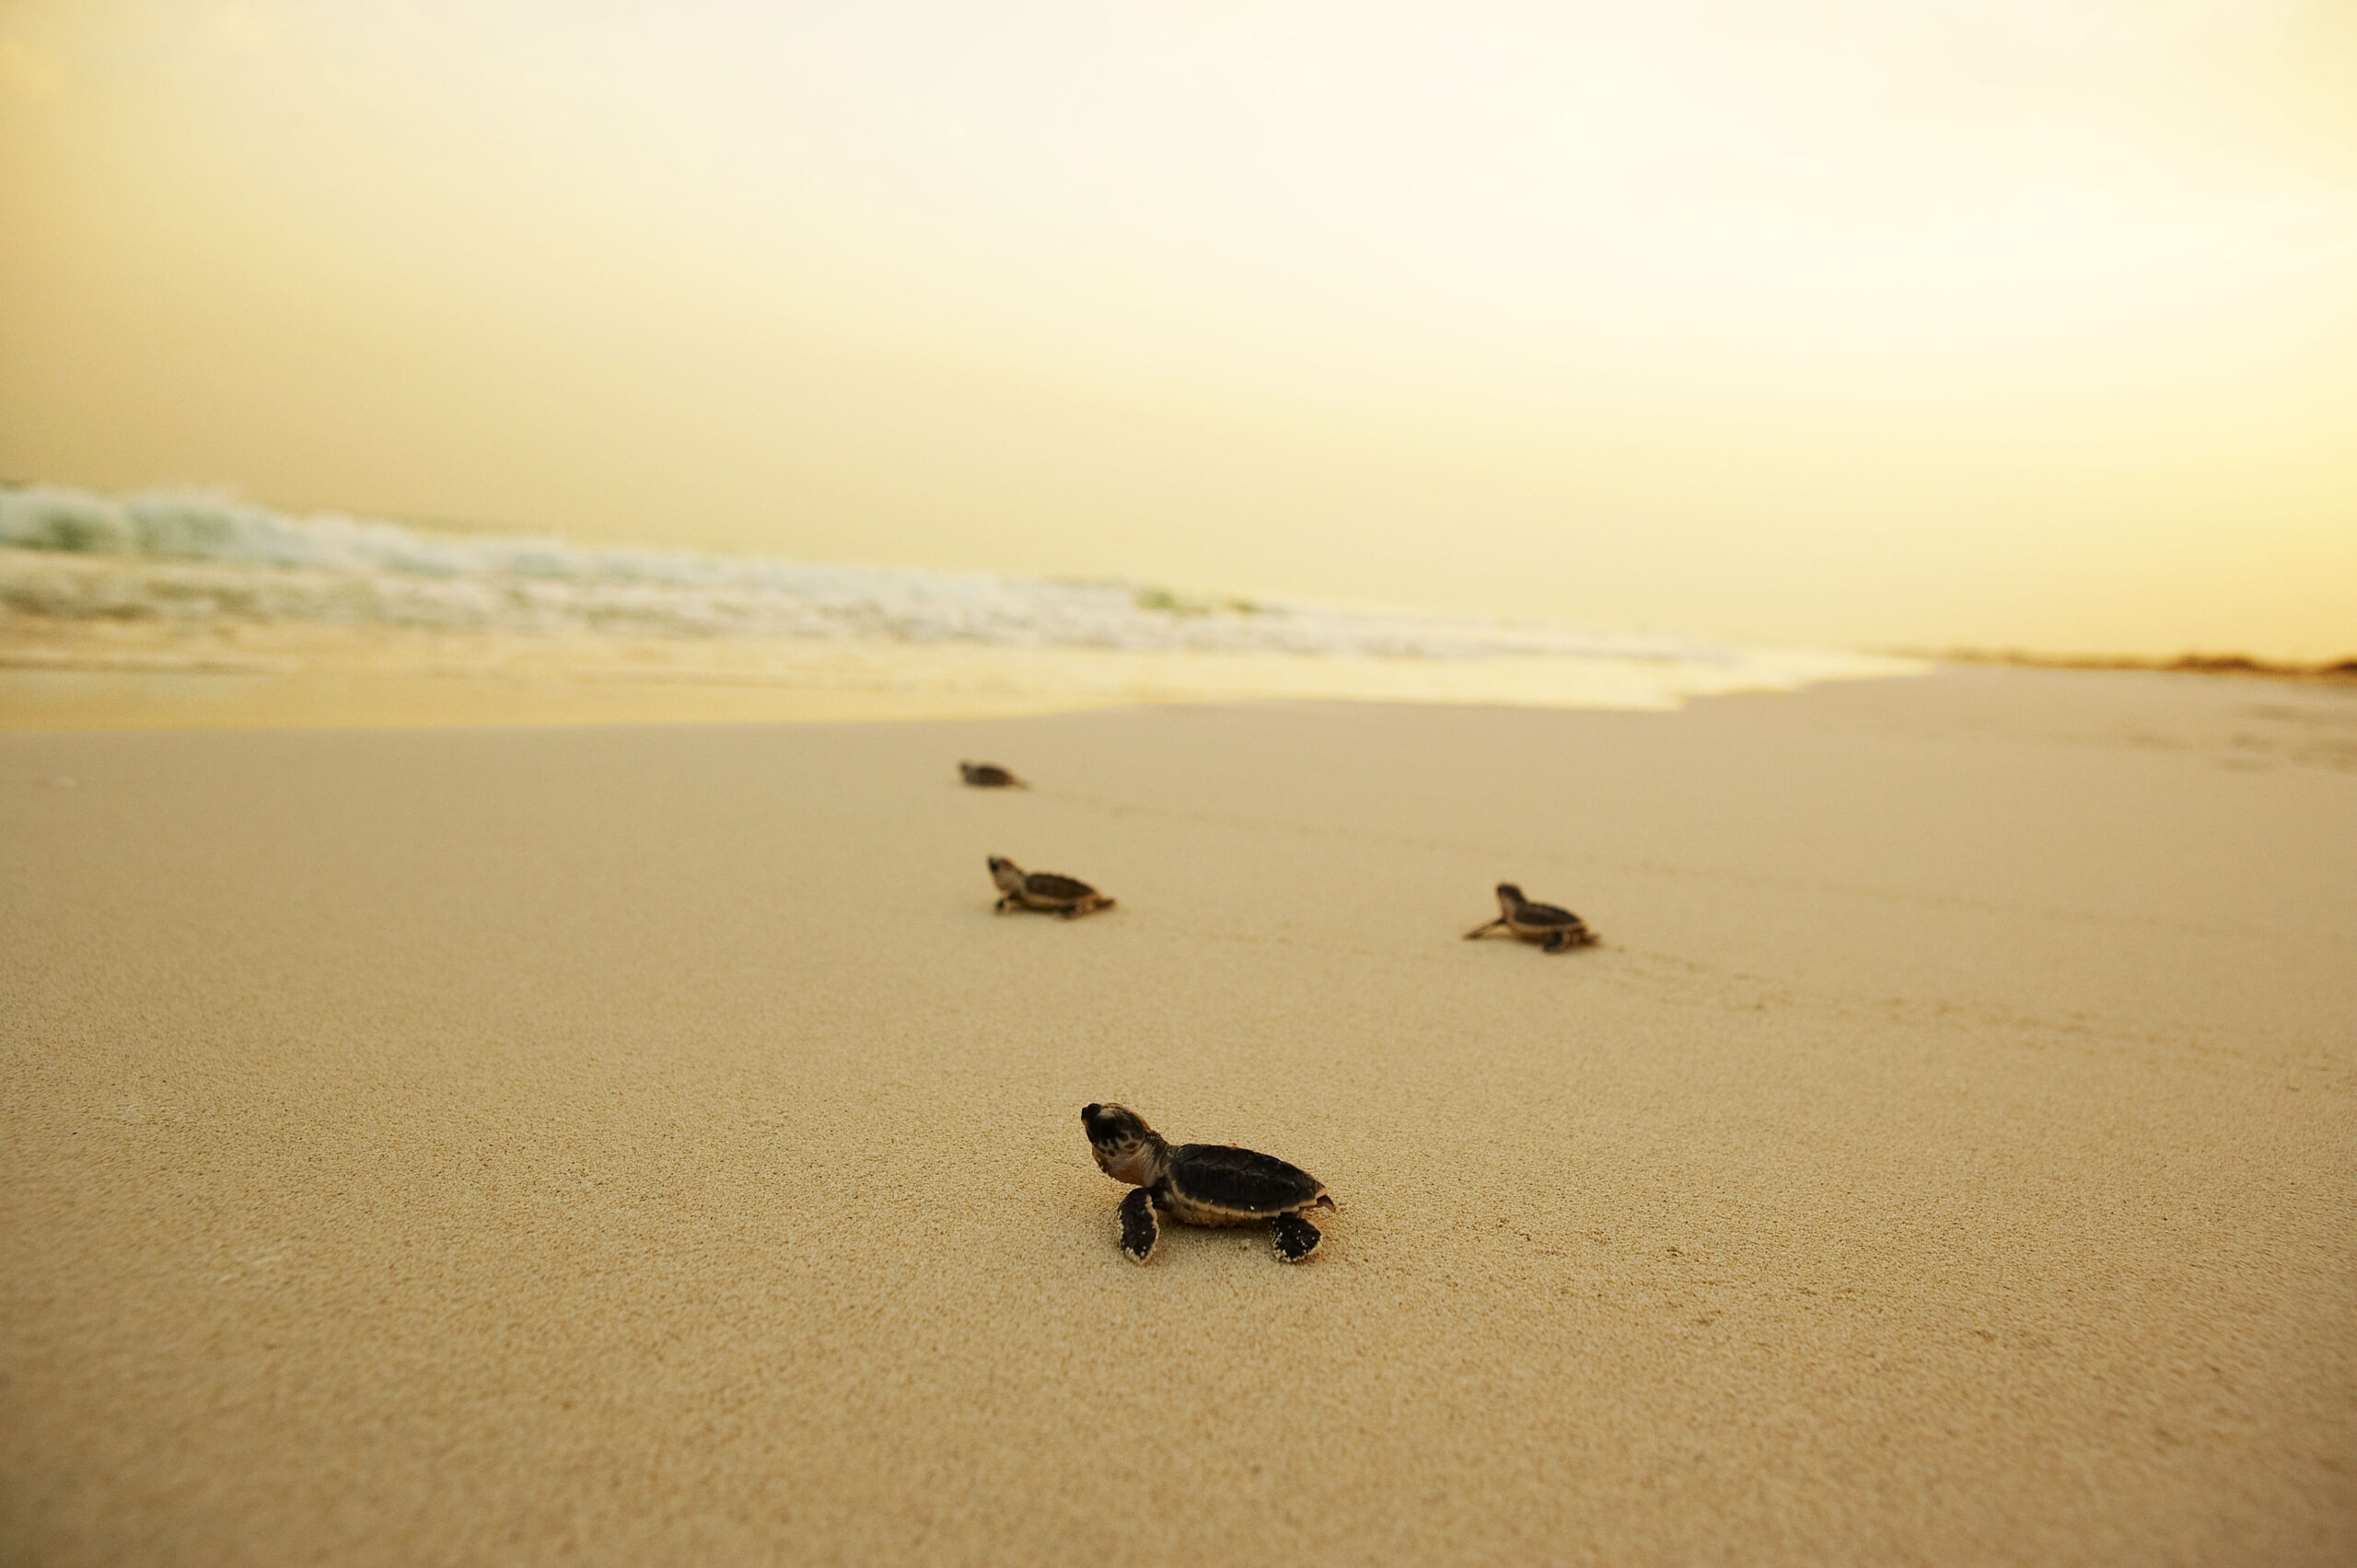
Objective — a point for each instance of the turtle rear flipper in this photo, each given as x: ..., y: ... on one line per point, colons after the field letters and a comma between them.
x: 1295, y: 1237
x: 1139, y: 1228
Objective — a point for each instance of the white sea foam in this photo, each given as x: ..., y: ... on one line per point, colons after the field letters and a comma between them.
x: 188, y: 561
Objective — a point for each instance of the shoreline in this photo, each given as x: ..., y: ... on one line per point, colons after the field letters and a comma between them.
x: 100, y: 676
x: 53, y: 700
x: 183, y: 692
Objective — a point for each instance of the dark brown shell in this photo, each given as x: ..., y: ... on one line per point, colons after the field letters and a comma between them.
x: 1047, y: 885
x: 1226, y: 1177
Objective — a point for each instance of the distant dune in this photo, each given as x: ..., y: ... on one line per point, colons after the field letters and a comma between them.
x: 2340, y: 669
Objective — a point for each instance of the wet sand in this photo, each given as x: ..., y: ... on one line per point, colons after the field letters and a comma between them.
x: 645, y: 1144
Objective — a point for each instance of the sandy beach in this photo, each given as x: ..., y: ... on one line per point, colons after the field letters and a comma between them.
x: 644, y: 1145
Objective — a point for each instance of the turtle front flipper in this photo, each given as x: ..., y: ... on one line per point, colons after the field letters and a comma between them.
x: 1139, y: 1228
x: 1295, y: 1237
x: 1485, y: 930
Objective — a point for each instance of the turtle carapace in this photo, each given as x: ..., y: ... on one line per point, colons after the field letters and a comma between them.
x: 1201, y: 1184
x: 1557, y: 929
x: 989, y: 775
x: 1066, y: 896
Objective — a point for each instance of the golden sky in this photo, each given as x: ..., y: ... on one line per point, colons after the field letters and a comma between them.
x: 1998, y: 322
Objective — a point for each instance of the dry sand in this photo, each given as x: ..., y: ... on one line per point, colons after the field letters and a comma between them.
x: 645, y: 1145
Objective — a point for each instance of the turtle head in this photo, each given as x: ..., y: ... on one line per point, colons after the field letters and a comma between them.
x: 1126, y: 1148
x: 1508, y: 896
x: 1006, y: 874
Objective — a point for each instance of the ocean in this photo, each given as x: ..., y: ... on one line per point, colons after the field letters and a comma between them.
x: 203, y: 584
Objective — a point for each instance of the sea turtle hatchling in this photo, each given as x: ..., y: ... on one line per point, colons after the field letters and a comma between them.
x: 1201, y: 1184
x: 1066, y: 896
x: 1559, y: 930
x: 989, y: 775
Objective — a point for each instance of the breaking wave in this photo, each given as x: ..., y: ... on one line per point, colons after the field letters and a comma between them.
x: 186, y: 561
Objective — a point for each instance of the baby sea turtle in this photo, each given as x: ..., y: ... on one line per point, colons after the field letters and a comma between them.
x: 1558, y: 929
x: 989, y: 775
x: 1201, y: 1184
x: 1066, y: 896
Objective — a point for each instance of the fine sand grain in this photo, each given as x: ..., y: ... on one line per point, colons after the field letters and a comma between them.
x: 645, y: 1145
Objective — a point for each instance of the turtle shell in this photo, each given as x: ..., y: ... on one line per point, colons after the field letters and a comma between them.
x: 1223, y: 1177
x: 1047, y: 885
x: 1544, y: 914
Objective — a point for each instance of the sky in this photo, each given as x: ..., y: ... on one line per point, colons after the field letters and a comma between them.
x: 1887, y: 323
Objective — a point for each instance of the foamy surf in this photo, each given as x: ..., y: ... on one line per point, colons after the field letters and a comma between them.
x: 172, y: 583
